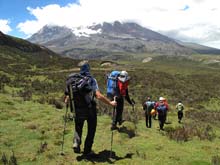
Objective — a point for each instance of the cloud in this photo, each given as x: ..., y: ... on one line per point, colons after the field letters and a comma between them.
x: 4, y: 26
x: 186, y: 17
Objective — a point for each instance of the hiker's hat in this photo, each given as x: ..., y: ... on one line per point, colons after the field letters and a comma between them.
x: 161, y: 99
x: 123, y: 76
x: 85, y: 68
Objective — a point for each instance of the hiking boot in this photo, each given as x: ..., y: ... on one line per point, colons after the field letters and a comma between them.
x: 76, y: 148
x: 113, y: 127
x: 120, y: 122
x: 90, y: 154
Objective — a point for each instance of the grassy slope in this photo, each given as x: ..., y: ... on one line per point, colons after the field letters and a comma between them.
x: 39, y: 78
x: 25, y: 125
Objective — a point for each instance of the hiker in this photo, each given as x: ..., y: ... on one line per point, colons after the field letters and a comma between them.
x: 161, y: 107
x: 117, y: 86
x: 180, y: 108
x: 148, y: 106
x: 86, y: 110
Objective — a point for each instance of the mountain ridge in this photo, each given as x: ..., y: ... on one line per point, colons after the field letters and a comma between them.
x: 108, y: 39
x: 25, y: 55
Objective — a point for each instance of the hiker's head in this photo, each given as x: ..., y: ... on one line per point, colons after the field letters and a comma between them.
x: 161, y: 99
x: 123, y: 76
x: 148, y: 98
x: 85, y: 68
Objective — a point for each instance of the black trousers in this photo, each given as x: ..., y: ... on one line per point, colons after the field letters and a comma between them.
x: 148, y: 119
x: 117, y: 117
x: 91, y: 119
x: 180, y: 115
x: 162, y: 118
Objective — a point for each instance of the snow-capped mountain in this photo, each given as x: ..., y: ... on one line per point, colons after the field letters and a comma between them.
x: 107, y: 39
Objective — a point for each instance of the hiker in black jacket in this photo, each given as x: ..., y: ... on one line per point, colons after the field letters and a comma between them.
x: 86, y: 112
x: 148, y: 106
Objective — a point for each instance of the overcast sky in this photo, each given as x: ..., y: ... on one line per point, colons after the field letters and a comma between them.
x: 187, y: 20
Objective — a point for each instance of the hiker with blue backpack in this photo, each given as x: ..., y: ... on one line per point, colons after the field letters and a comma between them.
x: 81, y: 91
x: 148, y: 106
x: 117, y: 87
x: 161, y: 107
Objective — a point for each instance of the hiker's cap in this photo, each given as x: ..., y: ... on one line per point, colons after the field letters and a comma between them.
x: 123, y: 76
x: 85, y: 68
x: 161, y: 99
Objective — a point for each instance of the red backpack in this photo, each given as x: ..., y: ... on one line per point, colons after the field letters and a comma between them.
x: 123, y: 86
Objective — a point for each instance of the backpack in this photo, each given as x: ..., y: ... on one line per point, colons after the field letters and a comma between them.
x: 161, y: 108
x: 149, y: 105
x: 180, y: 107
x: 80, y: 90
x: 112, y: 83
x: 122, y: 86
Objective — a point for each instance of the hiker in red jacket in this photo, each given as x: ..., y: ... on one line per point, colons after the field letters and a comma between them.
x: 161, y: 107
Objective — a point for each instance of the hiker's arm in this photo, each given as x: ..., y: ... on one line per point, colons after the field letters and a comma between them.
x: 66, y: 99
x: 128, y: 98
x: 144, y: 106
x: 167, y: 106
x: 104, y: 99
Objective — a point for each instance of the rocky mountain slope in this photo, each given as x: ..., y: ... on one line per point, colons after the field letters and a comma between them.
x: 105, y: 40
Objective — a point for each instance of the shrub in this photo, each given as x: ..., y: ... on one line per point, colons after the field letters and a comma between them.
x: 56, y: 103
x: 26, y: 94
x: 188, y: 131
x: 204, y: 116
x: 215, y: 160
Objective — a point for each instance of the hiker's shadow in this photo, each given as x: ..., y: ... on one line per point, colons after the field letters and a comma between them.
x: 130, y: 133
x: 168, y: 122
x: 104, y: 156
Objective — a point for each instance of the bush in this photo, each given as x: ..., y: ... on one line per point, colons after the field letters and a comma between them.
x: 187, y: 132
x: 216, y: 160
x: 204, y: 116
x: 26, y: 94
x: 58, y: 104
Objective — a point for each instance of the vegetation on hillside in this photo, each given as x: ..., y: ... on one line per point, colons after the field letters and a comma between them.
x: 32, y: 111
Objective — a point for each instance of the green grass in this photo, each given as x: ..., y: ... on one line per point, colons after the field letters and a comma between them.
x: 25, y: 125
x: 33, y: 129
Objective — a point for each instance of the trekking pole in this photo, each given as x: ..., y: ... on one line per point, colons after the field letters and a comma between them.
x: 132, y: 100
x: 64, y: 128
x: 113, y: 116
x: 135, y: 120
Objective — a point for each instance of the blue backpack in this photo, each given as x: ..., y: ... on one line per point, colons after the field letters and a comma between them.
x: 162, y: 108
x: 112, y: 83
x: 149, y: 105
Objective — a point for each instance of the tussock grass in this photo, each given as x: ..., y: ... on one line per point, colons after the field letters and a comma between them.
x: 188, y: 131
x: 215, y: 160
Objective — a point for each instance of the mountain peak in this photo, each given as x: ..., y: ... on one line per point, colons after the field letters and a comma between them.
x: 48, y: 33
x: 85, y: 31
x: 103, y: 39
